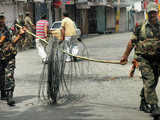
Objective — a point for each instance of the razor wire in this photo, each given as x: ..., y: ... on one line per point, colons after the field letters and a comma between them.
x: 57, y: 76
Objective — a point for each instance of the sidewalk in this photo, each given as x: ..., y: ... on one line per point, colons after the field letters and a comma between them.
x: 98, y: 35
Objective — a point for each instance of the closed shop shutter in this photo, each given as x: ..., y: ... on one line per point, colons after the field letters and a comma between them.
x: 110, y: 19
x: 123, y: 20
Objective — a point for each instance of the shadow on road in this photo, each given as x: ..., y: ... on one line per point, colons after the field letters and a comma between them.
x: 66, y: 111
x: 102, y: 78
x: 70, y: 99
x: 20, y: 99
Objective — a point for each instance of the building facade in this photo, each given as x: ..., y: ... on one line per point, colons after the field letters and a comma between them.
x: 91, y: 16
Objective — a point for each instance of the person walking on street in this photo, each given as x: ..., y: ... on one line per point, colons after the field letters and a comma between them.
x: 68, y: 34
x: 146, y: 41
x: 29, y: 40
x: 7, y: 61
x: 42, y: 32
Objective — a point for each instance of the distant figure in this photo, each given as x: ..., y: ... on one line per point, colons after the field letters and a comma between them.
x: 29, y: 42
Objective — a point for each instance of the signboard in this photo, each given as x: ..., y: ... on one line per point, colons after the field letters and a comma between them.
x: 82, y: 1
x: 38, y: 0
x: 57, y: 3
x: 156, y: 1
x: 68, y: 2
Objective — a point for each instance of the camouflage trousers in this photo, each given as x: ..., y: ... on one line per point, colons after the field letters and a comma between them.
x: 150, y: 71
x: 21, y: 43
x: 29, y: 41
x: 7, y: 82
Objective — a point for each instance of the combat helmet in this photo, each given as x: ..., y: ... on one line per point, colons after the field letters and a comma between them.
x: 152, y: 6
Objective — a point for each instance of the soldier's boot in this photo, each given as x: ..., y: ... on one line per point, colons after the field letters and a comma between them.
x: 155, y: 110
x: 156, y: 118
x: 145, y: 107
x: 10, y: 100
x: 3, y: 95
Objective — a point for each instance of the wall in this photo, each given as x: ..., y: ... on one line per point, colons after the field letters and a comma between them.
x: 40, y: 8
x: 101, y: 19
x: 10, y: 13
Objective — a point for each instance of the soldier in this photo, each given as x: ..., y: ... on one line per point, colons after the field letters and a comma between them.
x: 146, y: 41
x: 30, y: 26
x: 19, y: 21
x: 7, y: 62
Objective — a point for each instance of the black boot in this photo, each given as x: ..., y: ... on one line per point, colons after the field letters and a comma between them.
x: 3, y: 95
x: 145, y: 107
x: 10, y: 100
x: 156, y: 118
x: 155, y: 110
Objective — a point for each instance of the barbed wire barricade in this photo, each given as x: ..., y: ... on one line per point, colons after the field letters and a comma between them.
x: 57, y: 76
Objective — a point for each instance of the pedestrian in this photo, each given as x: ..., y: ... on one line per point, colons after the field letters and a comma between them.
x: 7, y: 61
x: 146, y: 41
x: 68, y: 34
x: 29, y: 40
x: 42, y: 32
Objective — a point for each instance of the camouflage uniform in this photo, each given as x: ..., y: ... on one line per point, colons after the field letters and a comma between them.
x: 7, y: 81
x: 7, y: 64
x: 29, y: 38
x: 147, y: 49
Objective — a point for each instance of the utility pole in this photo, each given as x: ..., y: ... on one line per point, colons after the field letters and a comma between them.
x: 31, y: 8
x: 118, y: 16
x: 63, y: 7
x: 53, y: 10
x: 75, y: 11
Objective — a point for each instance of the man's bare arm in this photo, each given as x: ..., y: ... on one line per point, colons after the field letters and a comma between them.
x: 63, y: 33
x: 46, y: 31
x: 127, y: 52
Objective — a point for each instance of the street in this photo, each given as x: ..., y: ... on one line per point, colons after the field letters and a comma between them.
x: 108, y: 94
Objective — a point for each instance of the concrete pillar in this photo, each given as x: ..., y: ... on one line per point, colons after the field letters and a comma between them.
x: 84, y: 22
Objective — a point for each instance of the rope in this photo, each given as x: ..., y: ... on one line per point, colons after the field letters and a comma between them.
x: 90, y: 59
x: 80, y: 57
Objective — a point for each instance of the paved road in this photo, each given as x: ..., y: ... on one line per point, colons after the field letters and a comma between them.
x: 108, y: 94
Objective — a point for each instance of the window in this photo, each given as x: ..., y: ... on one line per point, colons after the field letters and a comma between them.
x: 56, y: 25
